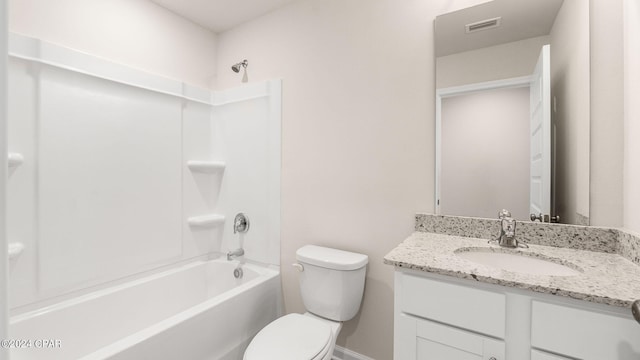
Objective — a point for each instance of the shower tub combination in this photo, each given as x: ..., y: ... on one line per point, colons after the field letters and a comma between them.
x: 205, y: 153
x: 198, y: 311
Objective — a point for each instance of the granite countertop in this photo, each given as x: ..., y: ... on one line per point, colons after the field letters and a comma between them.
x: 604, y: 277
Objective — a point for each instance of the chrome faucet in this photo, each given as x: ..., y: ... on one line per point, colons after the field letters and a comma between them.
x: 240, y: 223
x: 507, y: 230
x: 234, y: 254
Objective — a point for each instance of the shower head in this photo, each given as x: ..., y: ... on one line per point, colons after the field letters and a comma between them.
x: 238, y: 66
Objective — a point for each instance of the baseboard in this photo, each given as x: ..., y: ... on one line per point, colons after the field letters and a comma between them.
x: 341, y: 353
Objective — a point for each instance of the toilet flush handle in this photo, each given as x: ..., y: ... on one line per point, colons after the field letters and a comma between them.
x: 298, y: 267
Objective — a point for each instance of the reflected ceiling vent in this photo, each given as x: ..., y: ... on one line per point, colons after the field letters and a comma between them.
x: 483, y: 25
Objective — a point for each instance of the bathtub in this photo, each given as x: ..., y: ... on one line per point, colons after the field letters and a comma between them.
x: 195, y: 312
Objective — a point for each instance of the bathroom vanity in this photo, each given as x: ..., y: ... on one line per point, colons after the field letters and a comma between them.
x: 541, y: 303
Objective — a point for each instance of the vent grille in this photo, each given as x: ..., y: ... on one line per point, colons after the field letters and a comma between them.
x: 483, y: 25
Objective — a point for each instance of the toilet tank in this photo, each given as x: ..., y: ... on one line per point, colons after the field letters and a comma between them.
x: 331, y: 281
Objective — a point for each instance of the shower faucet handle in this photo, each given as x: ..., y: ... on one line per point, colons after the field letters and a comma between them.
x: 240, y: 223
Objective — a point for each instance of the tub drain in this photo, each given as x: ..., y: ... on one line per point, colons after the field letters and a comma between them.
x: 237, y: 273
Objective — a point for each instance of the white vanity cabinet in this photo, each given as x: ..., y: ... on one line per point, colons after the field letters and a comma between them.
x: 442, y: 318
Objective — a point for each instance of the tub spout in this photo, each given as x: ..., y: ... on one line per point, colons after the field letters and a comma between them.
x: 234, y: 254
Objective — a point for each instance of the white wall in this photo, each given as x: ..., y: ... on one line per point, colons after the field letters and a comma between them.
x: 570, y: 90
x: 137, y: 33
x: 498, y: 62
x: 485, y: 153
x: 631, y: 115
x: 614, y: 112
x: 607, y: 124
x: 358, y: 133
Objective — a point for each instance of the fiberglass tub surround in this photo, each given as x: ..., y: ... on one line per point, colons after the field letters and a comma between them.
x: 116, y: 175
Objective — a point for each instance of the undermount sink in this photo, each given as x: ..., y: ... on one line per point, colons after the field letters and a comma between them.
x: 517, y: 262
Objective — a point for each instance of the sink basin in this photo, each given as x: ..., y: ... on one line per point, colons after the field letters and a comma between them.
x: 517, y: 262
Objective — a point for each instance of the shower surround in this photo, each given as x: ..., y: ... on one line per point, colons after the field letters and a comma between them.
x: 116, y: 175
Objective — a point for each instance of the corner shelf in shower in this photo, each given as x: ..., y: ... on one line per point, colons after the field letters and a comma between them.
x: 206, y: 221
x: 207, y: 167
x: 15, y: 249
x: 15, y: 159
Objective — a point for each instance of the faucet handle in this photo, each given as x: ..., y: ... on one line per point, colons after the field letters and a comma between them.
x: 240, y: 223
x: 535, y: 217
x: 504, y: 213
x: 508, y: 226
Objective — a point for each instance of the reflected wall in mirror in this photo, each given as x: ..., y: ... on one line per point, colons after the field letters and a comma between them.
x: 512, y: 119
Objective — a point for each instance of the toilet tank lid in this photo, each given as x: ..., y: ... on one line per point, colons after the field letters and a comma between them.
x: 331, y: 258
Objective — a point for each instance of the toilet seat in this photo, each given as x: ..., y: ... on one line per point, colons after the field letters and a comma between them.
x: 291, y: 337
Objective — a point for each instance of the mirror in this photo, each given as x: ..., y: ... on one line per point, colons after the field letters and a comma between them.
x: 512, y: 119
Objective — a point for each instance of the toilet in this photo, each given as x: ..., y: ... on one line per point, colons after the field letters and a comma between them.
x: 331, y: 285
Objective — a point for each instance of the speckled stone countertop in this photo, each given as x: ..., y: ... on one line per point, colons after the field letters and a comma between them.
x: 605, y: 278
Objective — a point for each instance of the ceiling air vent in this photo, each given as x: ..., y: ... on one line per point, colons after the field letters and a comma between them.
x: 483, y: 25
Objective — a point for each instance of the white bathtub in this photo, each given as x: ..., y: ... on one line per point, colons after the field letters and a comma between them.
x: 195, y: 312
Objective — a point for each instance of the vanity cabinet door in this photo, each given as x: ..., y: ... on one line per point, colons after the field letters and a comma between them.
x: 584, y: 333
x: 433, y: 341
x: 458, y: 305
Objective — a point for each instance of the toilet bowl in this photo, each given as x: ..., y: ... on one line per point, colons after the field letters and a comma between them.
x: 295, y: 337
x: 331, y: 285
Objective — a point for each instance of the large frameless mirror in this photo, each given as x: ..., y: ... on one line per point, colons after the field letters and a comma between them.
x: 512, y: 103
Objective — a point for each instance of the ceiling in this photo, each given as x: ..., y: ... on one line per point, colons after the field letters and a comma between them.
x: 521, y: 19
x: 221, y: 15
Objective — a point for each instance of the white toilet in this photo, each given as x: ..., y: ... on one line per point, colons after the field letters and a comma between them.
x: 331, y: 284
